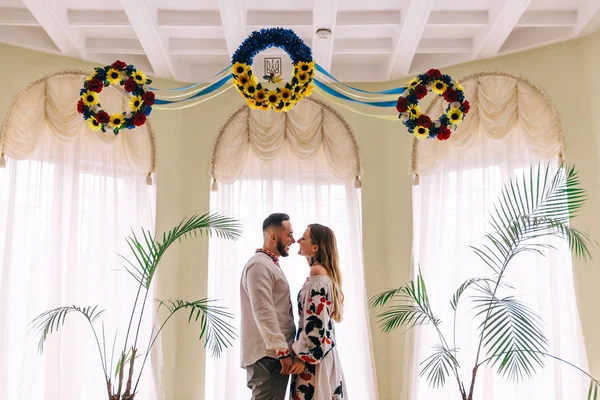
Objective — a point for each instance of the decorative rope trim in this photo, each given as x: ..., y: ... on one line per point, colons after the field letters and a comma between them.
x: 44, y: 79
x: 323, y: 105
x: 518, y: 78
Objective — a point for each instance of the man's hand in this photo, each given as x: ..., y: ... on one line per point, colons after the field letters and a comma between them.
x: 286, y: 365
x: 297, y: 367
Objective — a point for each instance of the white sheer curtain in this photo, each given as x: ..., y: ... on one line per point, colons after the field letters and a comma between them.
x: 309, y: 192
x: 451, y: 206
x: 65, y: 208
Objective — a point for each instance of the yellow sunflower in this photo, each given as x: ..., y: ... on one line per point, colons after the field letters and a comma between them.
x: 139, y: 77
x: 117, y: 120
x: 243, y: 80
x: 250, y: 88
x: 305, y: 66
x: 309, y: 90
x: 273, y: 98
x: 414, y: 111
x: 94, y: 124
x: 240, y: 68
x: 286, y: 94
x: 90, y: 98
x: 260, y: 95
x: 439, y: 87
x: 113, y: 76
x: 458, y: 86
x: 421, y: 132
x: 455, y: 116
x: 135, y: 103
x: 303, y: 77
x: 413, y: 83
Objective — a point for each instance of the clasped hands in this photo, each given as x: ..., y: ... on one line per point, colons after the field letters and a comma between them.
x: 292, y: 366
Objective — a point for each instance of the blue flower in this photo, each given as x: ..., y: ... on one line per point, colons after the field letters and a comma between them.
x: 412, y: 99
x: 461, y: 96
x: 86, y: 114
x: 272, y: 37
x: 446, y: 78
x: 82, y: 91
x: 444, y: 119
x: 100, y: 73
x: 411, y: 123
x: 424, y: 78
x: 129, y: 123
x: 147, y: 110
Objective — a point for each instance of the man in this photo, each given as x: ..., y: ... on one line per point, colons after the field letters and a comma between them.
x: 268, y: 328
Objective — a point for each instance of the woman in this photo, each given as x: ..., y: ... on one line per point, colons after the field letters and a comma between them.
x: 320, y: 303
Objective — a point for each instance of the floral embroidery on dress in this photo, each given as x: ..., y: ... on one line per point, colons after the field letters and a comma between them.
x: 315, y: 344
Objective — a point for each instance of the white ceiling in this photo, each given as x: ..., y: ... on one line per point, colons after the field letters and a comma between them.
x: 372, y: 40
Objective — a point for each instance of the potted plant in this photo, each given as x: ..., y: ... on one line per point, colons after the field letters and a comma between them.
x: 510, y: 336
x: 147, y: 252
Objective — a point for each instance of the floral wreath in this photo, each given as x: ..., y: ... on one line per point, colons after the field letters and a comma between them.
x: 421, y: 125
x: 283, y: 98
x: 133, y: 81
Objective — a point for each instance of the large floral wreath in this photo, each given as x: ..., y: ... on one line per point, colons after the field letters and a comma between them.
x: 282, y: 98
x: 133, y: 81
x: 421, y: 125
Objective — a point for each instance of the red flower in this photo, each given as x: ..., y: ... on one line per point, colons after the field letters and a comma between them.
x: 139, y: 119
x: 306, y: 376
x: 450, y: 95
x: 80, y: 106
x: 103, y: 117
x: 401, y: 105
x: 421, y: 91
x: 466, y: 106
x: 434, y: 73
x: 130, y: 85
x: 148, y: 98
x: 95, y: 85
x: 443, y: 133
x: 424, y: 121
x: 119, y: 65
x: 320, y: 308
x: 308, y: 359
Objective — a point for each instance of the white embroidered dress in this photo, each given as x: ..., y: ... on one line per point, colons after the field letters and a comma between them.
x: 323, y: 378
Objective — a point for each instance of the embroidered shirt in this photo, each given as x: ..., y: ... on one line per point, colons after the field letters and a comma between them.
x: 267, y: 321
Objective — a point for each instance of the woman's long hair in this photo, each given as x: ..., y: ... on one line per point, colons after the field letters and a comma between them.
x: 327, y: 256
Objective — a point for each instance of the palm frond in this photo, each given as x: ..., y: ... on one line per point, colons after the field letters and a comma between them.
x: 51, y: 320
x: 482, y: 284
x: 512, y: 335
x: 409, y: 305
x: 541, y: 226
x: 148, y: 251
x: 438, y: 366
x: 219, y: 333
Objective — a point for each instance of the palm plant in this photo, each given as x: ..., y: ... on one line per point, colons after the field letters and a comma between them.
x: 510, y: 334
x: 148, y: 251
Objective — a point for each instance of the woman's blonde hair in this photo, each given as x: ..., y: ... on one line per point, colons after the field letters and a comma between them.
x: 327, y: 256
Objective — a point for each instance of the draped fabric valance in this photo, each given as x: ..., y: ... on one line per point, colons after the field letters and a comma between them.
x: 47, y: 106
x: 501, y: 104
x: 310, y: 127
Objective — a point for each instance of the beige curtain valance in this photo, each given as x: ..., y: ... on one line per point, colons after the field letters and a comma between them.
x: 500, y: 103
x: 304, y: 131
x: 48, y: 106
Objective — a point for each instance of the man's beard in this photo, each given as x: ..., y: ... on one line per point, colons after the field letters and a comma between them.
x: 281, y: 249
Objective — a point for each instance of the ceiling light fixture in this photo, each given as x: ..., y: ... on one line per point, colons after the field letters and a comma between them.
x: 323, y: 33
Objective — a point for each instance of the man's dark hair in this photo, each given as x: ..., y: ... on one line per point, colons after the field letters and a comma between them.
x: 275, y: 219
